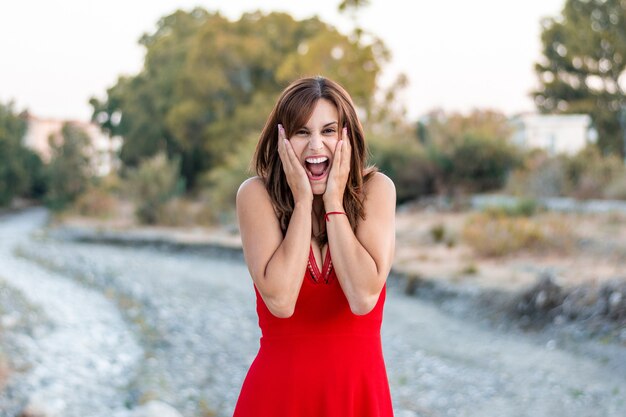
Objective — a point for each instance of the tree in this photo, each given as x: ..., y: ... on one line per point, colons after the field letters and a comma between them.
x: 69, y: 169
x: 155, y: 181
x: 471, y: 152
x: 20, y: 168
x: 208, y: 83
x: 583, y: 66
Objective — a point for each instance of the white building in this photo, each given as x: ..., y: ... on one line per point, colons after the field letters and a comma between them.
x: 103, y: 152
x: 563, y: 133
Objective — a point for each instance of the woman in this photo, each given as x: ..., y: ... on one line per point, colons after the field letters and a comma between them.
x: 320, y: 353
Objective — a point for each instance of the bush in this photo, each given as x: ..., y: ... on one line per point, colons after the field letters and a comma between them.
x: 412, y: 172
x: 494, y: 235
x: 525, y: 207
x: 616, y: 189
x: 180, y: 211
x: 219, y: 186
x: 96, y: 202
x: 68, y: 172
x: 438, y: 232
x: 540, y: 176
x: 585, y: 175
x: 477, y: 164
x: 470, y: 152
x: 152, y: 184
x: 21, y: 169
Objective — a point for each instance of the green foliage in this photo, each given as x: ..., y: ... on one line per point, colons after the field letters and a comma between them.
x: 446, y: 152
x: 20, y: 168
x: 407, y: 165
x: 479, y: 164
x: 585, y: 175
x: 540, y: 176
x: 471, y: 152
x: 221, y: 184
x: 183, y: 212
x: 590, y: 172
x: 524, y: 207
x: 438, y: 232
x: 584, y: 57
x: 616, y: 189
x: 69, y: 170
x: 97, y: 202
x: 470, y: 269
x: 352, y: 4
x: 153, y: 183
x: 207, y: 82
x: 446, y: 131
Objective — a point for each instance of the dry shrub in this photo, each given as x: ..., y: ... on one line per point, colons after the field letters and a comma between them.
x: 616, y: 189
x: 96, y: 202
x: 494, y: 235
x: 181, y: 212
x: 153, y: 183
x: 585, y: 175
x: 541, y: 176
x: 591, y: 172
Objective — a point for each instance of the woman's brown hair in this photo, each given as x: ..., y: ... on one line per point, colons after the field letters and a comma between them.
x: 293, y: 109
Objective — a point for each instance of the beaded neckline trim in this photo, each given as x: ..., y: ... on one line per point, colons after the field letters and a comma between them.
x: 314, y: 271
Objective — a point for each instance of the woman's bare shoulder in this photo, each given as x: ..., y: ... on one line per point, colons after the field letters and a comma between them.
x: 253, y: 187
x: 381, y: 185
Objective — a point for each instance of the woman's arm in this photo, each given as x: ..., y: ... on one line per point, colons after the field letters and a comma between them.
x: 277, y: 265
x: 362, y: 262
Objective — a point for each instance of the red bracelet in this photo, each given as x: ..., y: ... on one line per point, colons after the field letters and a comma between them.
x: 333, y: 212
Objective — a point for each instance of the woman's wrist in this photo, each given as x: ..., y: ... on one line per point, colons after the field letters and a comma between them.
x: 333, y: 206
x: 306, y: 203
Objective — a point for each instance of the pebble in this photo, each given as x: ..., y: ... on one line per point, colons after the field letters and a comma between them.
x: 175, y: 333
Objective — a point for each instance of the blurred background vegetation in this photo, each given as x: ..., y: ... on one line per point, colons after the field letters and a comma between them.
x: 191, y: 117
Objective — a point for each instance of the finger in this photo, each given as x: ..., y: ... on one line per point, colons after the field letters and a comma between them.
x: 346, y: 148
x: 337, y: 157
x: 282, y: 148
x: 291, y: 156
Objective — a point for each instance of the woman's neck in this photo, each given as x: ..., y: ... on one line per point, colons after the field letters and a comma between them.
x: 318, y: 205
x: 317, y: 215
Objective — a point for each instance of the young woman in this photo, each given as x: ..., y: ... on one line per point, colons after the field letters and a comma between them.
x: 320, y: 315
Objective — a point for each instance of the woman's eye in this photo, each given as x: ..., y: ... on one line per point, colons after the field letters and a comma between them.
x: 302, y: 132
x: 329, y: 131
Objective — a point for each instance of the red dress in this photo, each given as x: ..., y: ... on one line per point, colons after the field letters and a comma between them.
x: 323, y: 361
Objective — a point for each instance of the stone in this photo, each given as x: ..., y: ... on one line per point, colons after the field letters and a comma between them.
x: 38, y: 407
x: 155, y: 408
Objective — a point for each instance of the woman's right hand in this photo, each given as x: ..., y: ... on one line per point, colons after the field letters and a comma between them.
x: 294, y: 171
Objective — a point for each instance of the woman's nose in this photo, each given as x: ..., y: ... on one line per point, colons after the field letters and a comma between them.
x: 315, y: 142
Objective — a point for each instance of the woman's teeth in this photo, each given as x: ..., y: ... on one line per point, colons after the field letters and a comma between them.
x: 316, y: 167
x: 316, y: 160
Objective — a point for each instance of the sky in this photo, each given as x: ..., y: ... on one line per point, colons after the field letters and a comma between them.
x: 457, y: 54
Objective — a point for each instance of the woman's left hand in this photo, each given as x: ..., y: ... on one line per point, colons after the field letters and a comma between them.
x: 338, y: 175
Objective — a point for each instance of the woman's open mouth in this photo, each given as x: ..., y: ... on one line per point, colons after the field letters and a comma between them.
x: 317, y: 168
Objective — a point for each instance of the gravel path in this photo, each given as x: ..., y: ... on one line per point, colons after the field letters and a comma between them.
x: 195, y: 321
x: 83, y: 356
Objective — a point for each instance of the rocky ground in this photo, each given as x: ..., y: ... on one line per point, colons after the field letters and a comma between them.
x: 97, y: 329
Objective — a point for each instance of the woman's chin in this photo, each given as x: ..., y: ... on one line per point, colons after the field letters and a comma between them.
x: 318, y: 188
